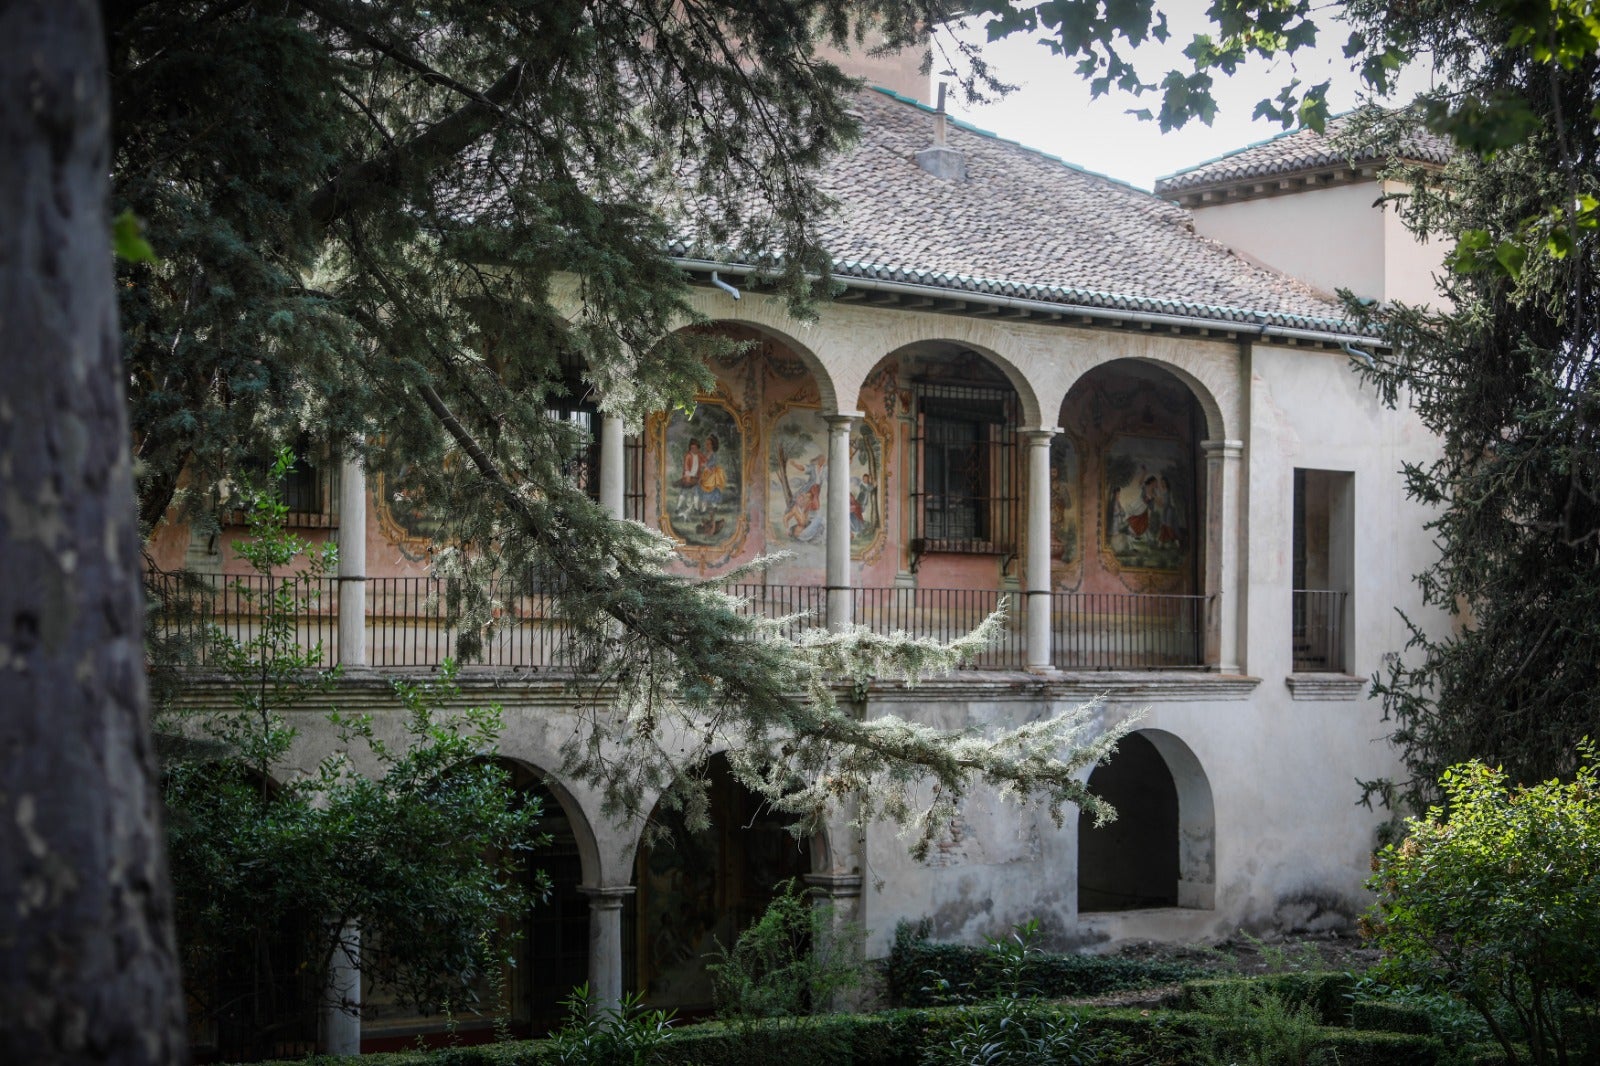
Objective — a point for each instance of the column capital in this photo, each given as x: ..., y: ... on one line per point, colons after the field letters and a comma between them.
x: 1037, y: 437
x: 834, y: 886
x: 1223, y: 449
x: 842, y: 419
x: 606, y: 897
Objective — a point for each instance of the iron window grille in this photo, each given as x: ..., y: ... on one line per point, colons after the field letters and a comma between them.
x: 966, y: 492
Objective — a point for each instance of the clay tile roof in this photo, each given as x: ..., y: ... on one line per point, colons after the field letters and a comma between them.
x: 1027, y: 225
x: 1302, y: 151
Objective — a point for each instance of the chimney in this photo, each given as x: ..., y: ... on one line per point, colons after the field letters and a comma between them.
x: 941, y: 160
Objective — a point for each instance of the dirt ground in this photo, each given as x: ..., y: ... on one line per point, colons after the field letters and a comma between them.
x: 1242, y: 955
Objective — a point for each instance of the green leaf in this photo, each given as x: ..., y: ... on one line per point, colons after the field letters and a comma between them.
x: 1511, y: 256
x: 127, y: 240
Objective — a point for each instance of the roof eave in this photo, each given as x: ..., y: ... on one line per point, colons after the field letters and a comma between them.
x: 941, y: 299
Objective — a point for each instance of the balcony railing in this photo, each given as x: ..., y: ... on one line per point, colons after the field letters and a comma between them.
x: 1318, y: 631
x: 1127, y: 631
x: 409, y: 622
x: 191, y: 608
x: 944, y: 615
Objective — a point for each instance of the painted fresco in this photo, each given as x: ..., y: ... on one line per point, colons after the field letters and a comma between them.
x: 703, y: 475
x: 797, y: 484
x: 866, y: 490
x: 1147, y: 497
x: 1066, y: 534
x: 408, y: 516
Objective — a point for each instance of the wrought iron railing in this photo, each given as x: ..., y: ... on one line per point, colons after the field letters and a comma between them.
x: 190, y: 610
x: 1318, y: 631
x: 413, y: 622
x: 1128, y: 631
x: 945, y: 614
x: 801, y: 607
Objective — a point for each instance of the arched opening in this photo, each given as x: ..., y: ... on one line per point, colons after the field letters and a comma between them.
x: 550, y: 953
x: 1127, y: 522
x: 553, y: 952
x: 698, y: 890
x: 742, y: 472
x: 942, y: 464
x: 246, y: 980
x: 1160, y: 852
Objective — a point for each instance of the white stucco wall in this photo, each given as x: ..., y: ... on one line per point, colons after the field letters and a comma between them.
x: 1330, y: 238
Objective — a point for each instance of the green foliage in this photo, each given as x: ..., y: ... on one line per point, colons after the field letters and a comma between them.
x: 625, y: 1035
x: 1324, y: 995
x: 920, y: 972
x: 1278, y: 1030
x: 900, y: 1038
x: 790, y: 963
x: 1494, y: 902
x: 273, y: 864
x: 1012, y: 1026
x: 376, y: 232
x: 1505, y: 380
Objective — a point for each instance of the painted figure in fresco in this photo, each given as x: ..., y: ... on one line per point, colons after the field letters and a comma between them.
x: 713, y: 482
x: 860, y: 500
x: 803, y: 521
x: 1140, y: 520
x: 1170, y: 528
x: 689, y: 482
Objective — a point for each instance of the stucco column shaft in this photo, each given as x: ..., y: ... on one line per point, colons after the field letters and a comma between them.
x: 838, y: 520
x: 1224, y: 468
x: 605, y: 944
x: 1037, y: 564
x: 352, y: 563
x: 341, y: 999
x: 613, y: 465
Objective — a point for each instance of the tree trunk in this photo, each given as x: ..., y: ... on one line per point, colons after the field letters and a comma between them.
x: 88, y: 972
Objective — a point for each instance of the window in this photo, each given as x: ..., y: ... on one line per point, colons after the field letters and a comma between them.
x: 965, y: 495
x: 1323, y: 568
x: 583, y: 466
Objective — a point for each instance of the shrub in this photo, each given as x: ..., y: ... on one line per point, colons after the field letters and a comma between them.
x: 790, y: 962
x: 1494, y: 901
x: 921, y: 972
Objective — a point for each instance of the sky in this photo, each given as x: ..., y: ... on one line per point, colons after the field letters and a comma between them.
x: 1052, y: 110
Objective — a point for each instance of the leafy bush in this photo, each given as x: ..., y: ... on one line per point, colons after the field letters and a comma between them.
x: 920, y: 972
x: 790, y: 963
x: 625, y: 1035
x: 424, y: 854
x: 1015, y: 1028
x: 1326, y: 995
x: 1495, y: 902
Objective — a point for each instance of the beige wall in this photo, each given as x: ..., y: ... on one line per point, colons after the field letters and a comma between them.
x: 1329, y: 238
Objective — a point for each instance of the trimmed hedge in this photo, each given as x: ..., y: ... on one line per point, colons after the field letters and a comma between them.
x: 897, y: 1038
x: 1327, y: 993
x: 916, y: 964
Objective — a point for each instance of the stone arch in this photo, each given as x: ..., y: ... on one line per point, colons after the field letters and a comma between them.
x: 1030, y: 413
x: 700, y: 889
x: 1161, y: 851
x: 826, y: 386
x: 583, y: 832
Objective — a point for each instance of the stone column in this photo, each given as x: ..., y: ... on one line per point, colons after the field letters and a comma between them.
x: 613, y: 465
x: 841, y: 893
x: 1224, y: 532
x: 605, y: 943
x: 838, y: 524
x: 341, y: 999
x: 352, y: 563
x: 1036, y: 576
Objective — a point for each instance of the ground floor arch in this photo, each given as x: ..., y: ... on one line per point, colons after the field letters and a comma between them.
x: 1160, y: 852
x: 697, y: 890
